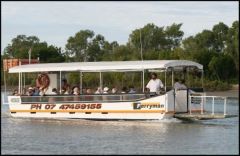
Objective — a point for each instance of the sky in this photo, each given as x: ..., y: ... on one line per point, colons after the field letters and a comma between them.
x: 54, y: 22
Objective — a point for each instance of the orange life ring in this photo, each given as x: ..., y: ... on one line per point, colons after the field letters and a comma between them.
x: 43, y: 80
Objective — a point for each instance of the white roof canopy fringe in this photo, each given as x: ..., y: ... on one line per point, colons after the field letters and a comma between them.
x: 107, y: 66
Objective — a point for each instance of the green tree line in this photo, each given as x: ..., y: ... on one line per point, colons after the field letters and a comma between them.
x: 216, y: 49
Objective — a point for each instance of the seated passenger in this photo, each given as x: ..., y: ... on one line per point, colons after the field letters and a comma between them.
x: 98, y: 91
x: 30, y: 91
x: 114, y: 90
x: 131, y: 89
x: 54, y: 91
x: 105, y: 90
x: 36, y: 91
x: 89, y: 91
x: 124, y: 90
x: 15, y: 92
x: 42, y: 91
x: 65, y: 85
x: 67, y: 91
x: 76, y: 91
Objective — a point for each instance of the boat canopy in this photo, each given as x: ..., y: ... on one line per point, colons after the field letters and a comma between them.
x: 104, y: 66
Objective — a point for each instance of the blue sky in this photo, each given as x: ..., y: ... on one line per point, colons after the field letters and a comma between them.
x: 55, y: 22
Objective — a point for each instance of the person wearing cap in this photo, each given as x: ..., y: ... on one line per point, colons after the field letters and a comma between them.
x: 155, y: 84
x: 105, y: 90
x: 30, y: 91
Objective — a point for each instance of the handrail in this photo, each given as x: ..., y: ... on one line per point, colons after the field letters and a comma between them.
x: 83, y: 98
x: 213, y: 103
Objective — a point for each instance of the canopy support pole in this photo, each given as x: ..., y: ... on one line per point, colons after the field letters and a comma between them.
x: 188, y: 81
x: 81, y: 82
x: 202, y: 77
x: 24, y: 82
x: 172, y: 77
x: 60, y: 79
x: 100, y: 80
x: 20, y: 79
x: 165, y: 80
x: 143, y: 83
x: 19, y: 83
x: 5, y: 88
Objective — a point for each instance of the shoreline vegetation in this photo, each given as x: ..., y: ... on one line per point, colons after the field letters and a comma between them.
x: 217, y: 49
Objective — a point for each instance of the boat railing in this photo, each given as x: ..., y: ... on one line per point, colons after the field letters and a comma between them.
x: 82, y: 98
x: 208, y: 103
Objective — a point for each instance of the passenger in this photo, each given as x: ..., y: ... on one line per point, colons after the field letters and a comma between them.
x: 131, y: 89
x: 15, y: 92
x: 89, y: 91
x: 114, y: 90
x: 54, y: 91
x: 177, y: 85
x: 30, y: 91
x: 65, y: 85
x: 105, y: 90
x: 155, y: 84
x: 67, y: 91
x: 98, y: 91
x: 42, y: 91
x: 36, y: 91
x: 182, y: 85
x: 124, y: 90
x: 76, y: 91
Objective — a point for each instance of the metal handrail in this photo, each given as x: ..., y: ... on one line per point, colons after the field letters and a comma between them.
x: 213, y: 103
x: 92, y: 98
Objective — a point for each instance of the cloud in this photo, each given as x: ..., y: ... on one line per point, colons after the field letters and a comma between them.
x: 54, y: 22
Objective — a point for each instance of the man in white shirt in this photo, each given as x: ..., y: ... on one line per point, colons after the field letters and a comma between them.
x: 177, y: 85
x: 154, y: 84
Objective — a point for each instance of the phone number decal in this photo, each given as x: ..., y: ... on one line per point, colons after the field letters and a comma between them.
x: 67, y: 106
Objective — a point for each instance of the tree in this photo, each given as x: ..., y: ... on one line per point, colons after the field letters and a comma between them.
x: 77, y: 46
x: 222, y: 67
x: 220, y: 32
x: 173, y: 35
x: 232, y: 43
x: 21, y: 44
x: 156, y: 38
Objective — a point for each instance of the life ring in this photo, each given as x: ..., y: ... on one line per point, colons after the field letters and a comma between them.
x: 43, y: 80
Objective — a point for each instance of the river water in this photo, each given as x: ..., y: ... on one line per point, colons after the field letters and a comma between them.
x: 172, y: 136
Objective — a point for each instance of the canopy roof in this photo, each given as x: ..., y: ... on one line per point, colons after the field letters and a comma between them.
x: 106, y: 66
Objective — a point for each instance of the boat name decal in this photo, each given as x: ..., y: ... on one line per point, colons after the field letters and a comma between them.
x: 139, y: 105
x: 67, y: 106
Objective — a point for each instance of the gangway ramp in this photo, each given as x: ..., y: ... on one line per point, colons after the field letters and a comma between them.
x: 198, y: 116
x: 208, y: 110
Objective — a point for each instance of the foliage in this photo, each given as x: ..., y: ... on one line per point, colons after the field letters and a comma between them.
x: 216, y: 49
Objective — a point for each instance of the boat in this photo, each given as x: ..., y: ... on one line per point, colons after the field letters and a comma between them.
x: 119, y: 106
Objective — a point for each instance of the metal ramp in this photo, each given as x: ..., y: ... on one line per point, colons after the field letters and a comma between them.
x: 211, y: 107
x: 197, y: 116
